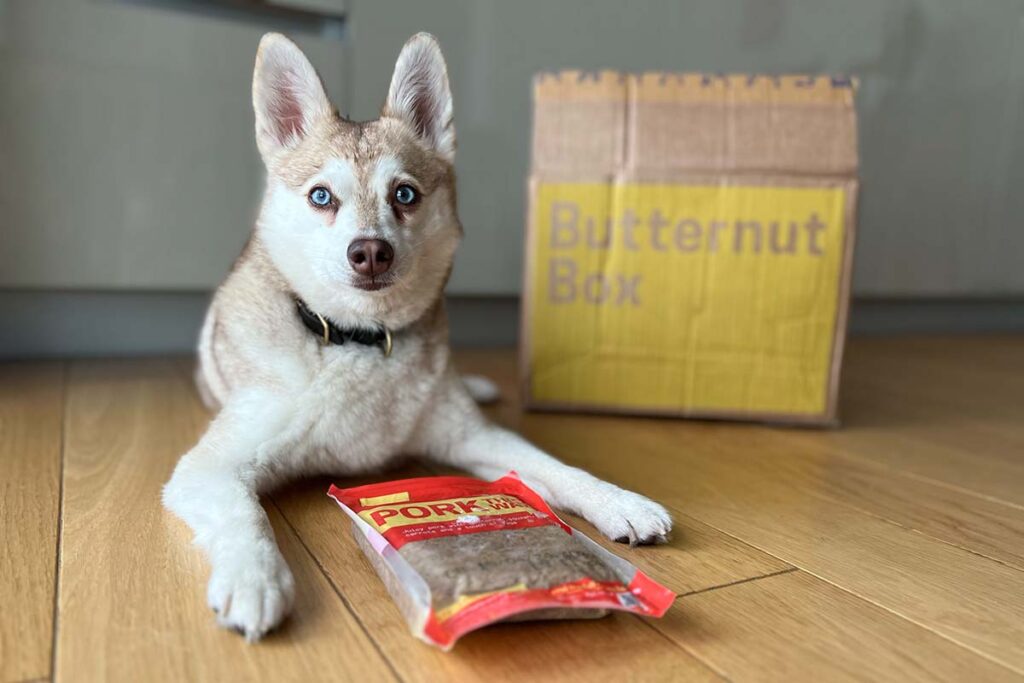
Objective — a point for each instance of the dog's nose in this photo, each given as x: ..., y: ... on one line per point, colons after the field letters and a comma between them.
x: 370, y: 257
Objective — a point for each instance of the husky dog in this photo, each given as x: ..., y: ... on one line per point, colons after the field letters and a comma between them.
x: 326, y: 348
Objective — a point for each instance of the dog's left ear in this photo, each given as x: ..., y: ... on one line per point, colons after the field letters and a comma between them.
x: 420, y: 94
x: 287, y: 95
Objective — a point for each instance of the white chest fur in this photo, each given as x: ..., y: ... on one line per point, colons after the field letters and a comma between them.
x: 359, y: 407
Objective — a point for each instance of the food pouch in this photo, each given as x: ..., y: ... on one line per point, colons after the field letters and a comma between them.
x: 458, y: 553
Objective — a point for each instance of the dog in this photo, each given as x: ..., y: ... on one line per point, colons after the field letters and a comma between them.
x: 325, y: 349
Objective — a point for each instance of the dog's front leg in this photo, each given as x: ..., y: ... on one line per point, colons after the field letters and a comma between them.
x: 214, y: 489
x: 456, y: 433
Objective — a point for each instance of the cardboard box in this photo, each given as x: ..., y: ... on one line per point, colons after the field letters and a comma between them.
x: 689, y: 244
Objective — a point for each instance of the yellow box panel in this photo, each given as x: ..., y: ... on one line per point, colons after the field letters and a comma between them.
x: 685, y: 298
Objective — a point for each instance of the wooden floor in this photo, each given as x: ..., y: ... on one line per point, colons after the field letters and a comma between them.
x: 891, y: 549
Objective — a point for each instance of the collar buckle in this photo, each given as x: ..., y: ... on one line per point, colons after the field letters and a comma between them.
x: 326, y: 338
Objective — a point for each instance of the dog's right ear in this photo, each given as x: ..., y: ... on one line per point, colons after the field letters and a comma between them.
x: 287, y: 95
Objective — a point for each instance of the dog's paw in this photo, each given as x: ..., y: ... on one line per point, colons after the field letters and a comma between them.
x: 628, y: 517
x: 251, y: 592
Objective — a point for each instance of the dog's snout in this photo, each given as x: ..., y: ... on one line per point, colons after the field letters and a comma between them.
x: 370, y: 257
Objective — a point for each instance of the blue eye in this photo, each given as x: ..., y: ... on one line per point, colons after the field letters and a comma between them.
x: 404, y: 194
x: 320, y: 196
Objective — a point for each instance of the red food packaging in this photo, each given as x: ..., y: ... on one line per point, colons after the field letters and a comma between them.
x: 458, y: 553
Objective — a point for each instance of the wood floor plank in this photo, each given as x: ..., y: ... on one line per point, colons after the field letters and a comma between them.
x: 794, y: 627
x: 983, y: 525
x: 754, y: 484
x: 980, y: 525
x: 31, y: 407
x: 132, y: 587
x: 815, y: 460
x: 728, y: 482
x: 608, y: 649
x: 949, y: 409
x: 894, y: 519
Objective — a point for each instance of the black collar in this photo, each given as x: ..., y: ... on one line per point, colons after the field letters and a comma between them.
x: 329, y: 333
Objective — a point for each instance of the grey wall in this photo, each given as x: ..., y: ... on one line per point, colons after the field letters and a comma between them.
x: 127, y: 158
x: 129, y: 177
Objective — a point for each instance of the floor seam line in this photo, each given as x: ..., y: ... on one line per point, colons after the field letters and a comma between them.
x: 874, y: 515
x: 679, y: 646
x: 809, y: 572
x: 677, y: 512
x: 914, y: 476
x: 65, y: 398
x: 932, y: 481
x: 739, y: 582
x: 926, y: 627
x: 345, y: 601
x: 972, y: 551
x: 921, y: 532
x: 850, y: 505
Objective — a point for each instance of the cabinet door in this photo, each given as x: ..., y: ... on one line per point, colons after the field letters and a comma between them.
x: 127, y: 157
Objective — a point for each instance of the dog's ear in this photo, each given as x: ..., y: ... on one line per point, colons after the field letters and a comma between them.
x: 420, y: 94
x: 287, y: 95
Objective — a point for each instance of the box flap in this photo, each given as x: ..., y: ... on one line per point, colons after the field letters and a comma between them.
x: 600, y: 125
